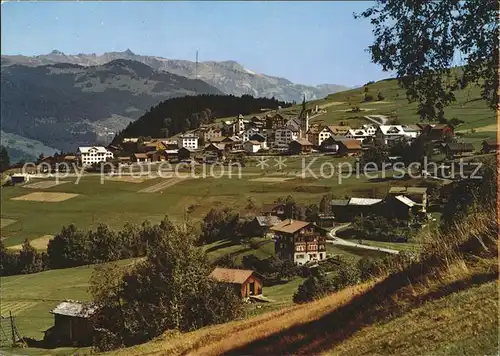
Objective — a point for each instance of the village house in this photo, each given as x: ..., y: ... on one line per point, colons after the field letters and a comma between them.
x: 249, y: 132
x: 337, y: 130
x: 124, y: 159
x: 153, y: 146
x: 345, y: 210
x: 329, y: 145
x: 188, y: 141
x: 416, y: 194
x: 300, y: 146
x: 388, y: 134
x: 317, y: 134
x: 216, y: 150
x: 299, y: 241
x: 260, y: 225
x: 141, y: 157
x: 246, y: 282
x: 156, y: 156
x: 88, y: 156
x: 276, y: 209
x: 438, y: 132
x: 208, y: 133
x: 489, y: 146
x: 170, y: 144
x: 349, y: 147
x: 286, y: 134
x: 70, y: 159
x: 275, y: 122
x: 252, y: 146
x: 261, y: 138
x: 183, y: 153
x: 370, y: 129
x: 72, y: 324
x: 455, y: 149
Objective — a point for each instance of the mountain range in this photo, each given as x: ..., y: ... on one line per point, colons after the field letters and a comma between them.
x: 62, y: 101
x: 229, y: 77
x: 64, y: 105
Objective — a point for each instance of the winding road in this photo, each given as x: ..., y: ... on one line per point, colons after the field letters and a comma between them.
x: 335, y: 240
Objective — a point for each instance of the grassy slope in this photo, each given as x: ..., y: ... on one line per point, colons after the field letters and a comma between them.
x: 445, y: 304
x: 115, y: 203
x: 458, y: 324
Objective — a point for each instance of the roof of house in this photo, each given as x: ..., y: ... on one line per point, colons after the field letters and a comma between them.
x: 140, y: 155
x: 336, y: 129
x: 405, y: 200
x: 182, y: 148
x: 358, y: 132
x: 217, y: 139
x: 257, y: 137
x: 364, y: 201
x: 339, y: 202
x: 254, y: 142
x: 408, y: 190
x: 351, y: 144
x: 392, y: 129
x: 124, y: 158
x: 74, y: 308
x: 231, y: 275
x: 290, y: 226
x: 68, y: 158
x: 460, y: 147
x: 303, y: 142
x: 219, y: 146
x: 267, y: 220
x: 99, y: 149
x: 169, y: 142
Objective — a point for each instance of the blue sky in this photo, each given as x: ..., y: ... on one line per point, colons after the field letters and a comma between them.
x: 305, y: 42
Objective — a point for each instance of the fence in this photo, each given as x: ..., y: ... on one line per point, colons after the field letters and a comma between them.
x: 9, y: 334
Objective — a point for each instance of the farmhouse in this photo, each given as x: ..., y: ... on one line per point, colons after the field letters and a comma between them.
x: 72, y: 324
x: 273, y: 209
x: 299, y: 241
x: 489, y: 146
x: 300, y: 146
x: 140, y: 157
x: 399, y: 207
x: 390, y: 133
x: 252, y: 146
x: 91, y: 155
x: 246, y: 282
x: 317, y: 134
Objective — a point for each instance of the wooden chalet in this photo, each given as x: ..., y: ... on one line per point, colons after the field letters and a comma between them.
x: 246, y: 282
x: 156, y: 156
x: 299, y: 241
x: 349, y: 147
x: 72, y: 324
x: 260, y: 225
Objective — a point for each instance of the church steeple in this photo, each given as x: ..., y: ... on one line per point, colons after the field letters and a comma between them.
x: 304, y: 118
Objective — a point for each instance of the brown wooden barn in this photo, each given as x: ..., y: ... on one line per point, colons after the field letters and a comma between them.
x: 72, y: 324
x: 247, y: 282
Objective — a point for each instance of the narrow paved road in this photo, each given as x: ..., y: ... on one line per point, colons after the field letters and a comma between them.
x: 335, y: 240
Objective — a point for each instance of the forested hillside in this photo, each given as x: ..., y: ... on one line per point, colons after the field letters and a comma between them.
x: 180, y: 114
